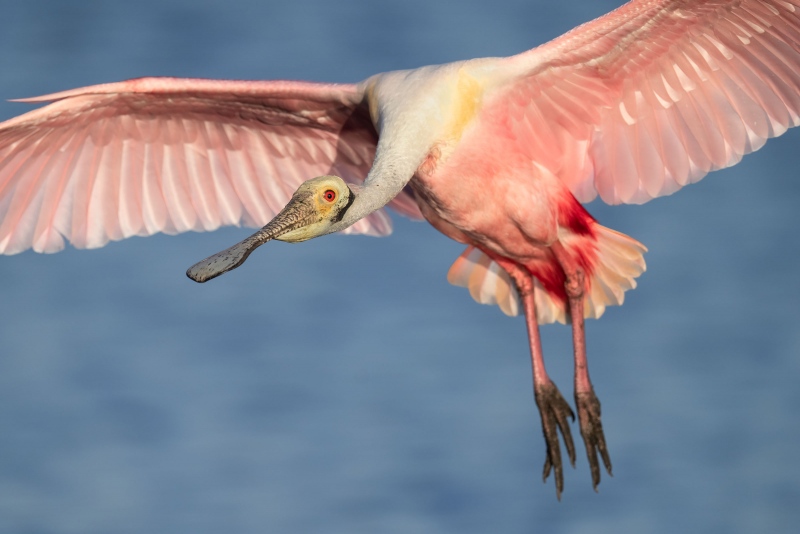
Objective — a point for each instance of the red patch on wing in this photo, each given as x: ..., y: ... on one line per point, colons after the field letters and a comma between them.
x: 581, y: 246
x: 572, y: 215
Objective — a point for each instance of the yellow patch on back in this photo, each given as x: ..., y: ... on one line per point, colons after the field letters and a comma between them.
x: 466, y: 105
x: 372, y: 100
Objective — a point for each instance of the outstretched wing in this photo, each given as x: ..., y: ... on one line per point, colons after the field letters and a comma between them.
x: 644, y: 100
x: 657, y: 93
x: 169, y: 155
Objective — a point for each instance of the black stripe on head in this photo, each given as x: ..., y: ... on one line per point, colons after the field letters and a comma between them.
x: 341, y: 212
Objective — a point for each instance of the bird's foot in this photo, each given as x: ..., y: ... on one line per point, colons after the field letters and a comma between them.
x: 554, y: 411
x: 592, y: 431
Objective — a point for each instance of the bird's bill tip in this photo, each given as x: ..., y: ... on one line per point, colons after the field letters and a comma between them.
x: 221, y: 262
x: 291, y: 224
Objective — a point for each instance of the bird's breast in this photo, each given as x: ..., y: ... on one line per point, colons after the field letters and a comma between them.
x: 478, y: 186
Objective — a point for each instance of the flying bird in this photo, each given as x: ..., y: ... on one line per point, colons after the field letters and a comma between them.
x: 496, y: 153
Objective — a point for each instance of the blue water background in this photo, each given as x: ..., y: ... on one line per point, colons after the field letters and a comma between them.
x: 341, y: 385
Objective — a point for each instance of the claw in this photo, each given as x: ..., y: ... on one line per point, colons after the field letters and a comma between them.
x: 554, y: 411
x: 592, y: 431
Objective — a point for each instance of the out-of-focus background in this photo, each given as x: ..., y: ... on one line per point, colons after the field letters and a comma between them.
x: 342, y: 385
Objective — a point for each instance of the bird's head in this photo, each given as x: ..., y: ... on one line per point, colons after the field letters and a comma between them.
x: 314, y: 207
x: 317, y: 204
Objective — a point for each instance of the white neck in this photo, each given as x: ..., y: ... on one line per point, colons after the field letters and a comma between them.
x: 407, y: 109
x: 394, y: 166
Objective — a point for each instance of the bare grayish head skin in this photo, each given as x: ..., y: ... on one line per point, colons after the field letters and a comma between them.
x: 315, y: 206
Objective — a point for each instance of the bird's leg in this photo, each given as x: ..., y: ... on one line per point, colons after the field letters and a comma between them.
x: 585, y: 399
x: 553, y: 409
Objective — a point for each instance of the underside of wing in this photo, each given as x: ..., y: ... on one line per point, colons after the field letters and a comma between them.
x: 170, y: 155
x: 656, y: 94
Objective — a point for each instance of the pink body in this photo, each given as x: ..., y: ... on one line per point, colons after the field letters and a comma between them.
x: 518, y: 217
x: 499, y: 153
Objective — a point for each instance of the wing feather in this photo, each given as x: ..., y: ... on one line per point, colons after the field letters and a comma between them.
x: 170, y: 155
x: 130, y: 180
x: 656, y: 93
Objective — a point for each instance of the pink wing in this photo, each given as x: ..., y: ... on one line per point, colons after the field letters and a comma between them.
x: 170, y: 155
x: 656, y: 94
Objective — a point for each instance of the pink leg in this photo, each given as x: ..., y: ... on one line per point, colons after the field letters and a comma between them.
x: 553, y: 409
x: 585, y: 399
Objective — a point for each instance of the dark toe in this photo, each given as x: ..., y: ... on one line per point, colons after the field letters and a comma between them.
x: 592, y: 431
x: 554, y: 411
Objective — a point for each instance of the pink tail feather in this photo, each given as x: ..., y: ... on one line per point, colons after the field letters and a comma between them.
x: 618, y: 263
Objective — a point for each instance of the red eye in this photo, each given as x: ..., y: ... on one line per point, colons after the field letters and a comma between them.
x: 329, y: 195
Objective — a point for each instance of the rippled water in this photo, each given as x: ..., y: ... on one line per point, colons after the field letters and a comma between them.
x: 342, y: 385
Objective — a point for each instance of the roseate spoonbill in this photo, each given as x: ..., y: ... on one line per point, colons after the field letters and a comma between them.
x: 496, y: 153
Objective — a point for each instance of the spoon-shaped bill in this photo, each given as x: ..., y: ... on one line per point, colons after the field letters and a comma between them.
x: 224, y: 261
x: 296, y: 214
